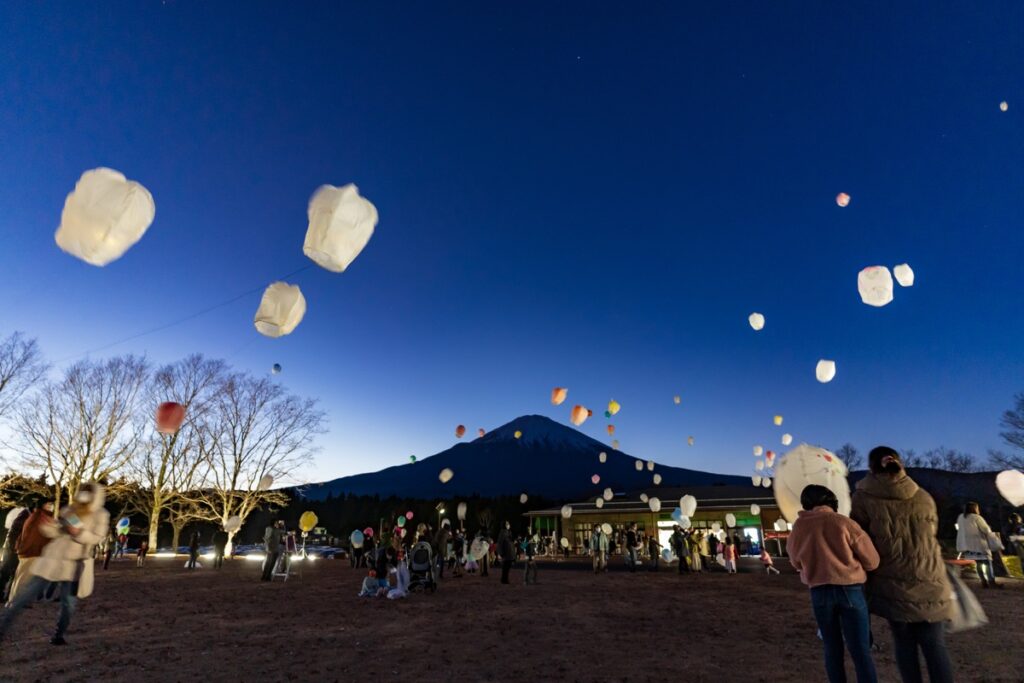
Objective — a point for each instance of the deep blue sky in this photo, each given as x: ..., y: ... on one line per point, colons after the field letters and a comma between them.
x: 571, y: 193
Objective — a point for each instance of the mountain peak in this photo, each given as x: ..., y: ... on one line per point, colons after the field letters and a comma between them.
x: 538, y: 430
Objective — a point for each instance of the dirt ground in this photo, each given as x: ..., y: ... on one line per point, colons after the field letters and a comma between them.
x: 164, y: 623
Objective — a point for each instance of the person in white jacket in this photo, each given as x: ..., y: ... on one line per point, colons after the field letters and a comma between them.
x: 67, y: 560
x: 972, y: 540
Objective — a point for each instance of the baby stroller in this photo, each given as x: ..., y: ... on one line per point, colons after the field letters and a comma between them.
x: 421, y: 568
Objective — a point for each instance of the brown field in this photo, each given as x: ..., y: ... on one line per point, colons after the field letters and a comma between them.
x: 164, y: 623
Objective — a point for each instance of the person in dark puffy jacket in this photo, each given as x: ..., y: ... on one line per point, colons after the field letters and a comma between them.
x: 910, y: 587
x: 507, y: 550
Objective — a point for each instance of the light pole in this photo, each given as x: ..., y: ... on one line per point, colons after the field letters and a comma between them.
x: 440, y: 511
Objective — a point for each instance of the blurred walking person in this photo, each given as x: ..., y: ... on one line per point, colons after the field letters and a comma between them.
x: 632, y: 547
x: 599, y: 548
x: 220, y: 544
x: 974, y: 540
x: 730, y: 554
x: 30, y: 543
x: 140, y: 556
x: 9, y: 561
x: 768, y: 562
x: 507, y: 551
x: 273, y: 537
x: 66, y: 560
x: 193, y: 550
x: 654, y: 550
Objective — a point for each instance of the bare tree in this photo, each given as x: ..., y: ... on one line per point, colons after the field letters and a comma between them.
x: 950, y: 460
x: 1005, y: 461
x: 80, y: 428
x: 167, y: 464
x: 254, y: 428
x: 1013, y: 422
x: 21, y: 366
x: 851, y: 457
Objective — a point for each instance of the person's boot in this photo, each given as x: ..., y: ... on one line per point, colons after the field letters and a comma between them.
x: 58, y: 639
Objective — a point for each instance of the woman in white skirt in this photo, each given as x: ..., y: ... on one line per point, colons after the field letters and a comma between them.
x: 974, y: 542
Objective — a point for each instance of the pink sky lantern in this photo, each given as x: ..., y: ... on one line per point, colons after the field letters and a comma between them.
x: 368, y: 532
x: 596, y: 479
x: 169, y: 417
x: 843, y: 199
x: 408, y: 515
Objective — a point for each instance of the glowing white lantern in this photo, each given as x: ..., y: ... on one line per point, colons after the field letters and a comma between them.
x: 523, y: 497
x: 716, y: 527
x: 843, y: 199
x: 730, y: 520
x: 685, y: 522
x: 615, y: 444
x: 766, y: 482
x: 758, y: 451
x: 266, y: 481
x: 756, y: 321
x: 690, y: 440
x: 677, y: 400
x: 809, y: 465
x: 602, y: 457
x: 787, y: 439
x: 688, y: 504
x: 1004, y: 105
x: 445, y: 475
x: 657, y: 479
x: 639, y: 465
x: 565, y: 542
x: 104, y: 216
x: 281, y: 310
x: 759, y: 465
x: 607, y: 528
x: 755, y: 509
x: 566, y: 511
x: 904, y: 275
x: 340, y: 224
x: 825, y: 371
x: 608, y: 494
x: 599, y: 503
x: 875, y: 285
x: 756, y: 480
x: 781, y: 525
x: 643, y: 497
x: 357, y: 539
x: 1011, y: 485
x: 650, y: 465
x: 654, y: 504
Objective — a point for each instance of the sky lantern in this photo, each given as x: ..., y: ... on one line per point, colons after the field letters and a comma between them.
x: 408, y: 515
x: 657, y: 478
x: 590, y: 413
x: 608, y: 494
x: 602, y: 457
x: 643, y: 497
x: 688, y: 504
x: 266, y: 481
x: 281, y: 310
x: 357, y: 539
x: 523, y: 498
x: 825, y: 371
x: 614, y: 407
x: 639, y: 465
x: 480, y: 432
x: 689, y: 440
x: 599, y: 503
x: 759, y: 465
x: 904, y: 275
x: 611, y: 429
x: 558, y: 395
x: 1011, y: 486
x: 606, y: 528
x: 766, y: 482
x: 518, y: 434
x: 445, y: 475
x: 566, y: 511
x: 460, y: 431
x: 275, y: 369
x: 169, y: 417
x: 308, y: 521
x: 874, y: 284
x: 787, y: 439
x: 677, y: 399
x: 758, y: 450
x: 1004, y: 105
x: 756, y: 480
x: 650, y: 465
x: 805, y: 465
x: 412, y: 459
x: 595, y: 479
x: 755, y: 509
x: 730, y: 520
x: 104, y: 216
x: 579, y: 415
x: 460, y: 511
x: 340, y: 224
x: 716, y: 527
x: 615, y: 444
x: 843, y: 199
x: 770, y: 454
x: 756, y: 321
x: 777, y: 420
x: 654, y: 504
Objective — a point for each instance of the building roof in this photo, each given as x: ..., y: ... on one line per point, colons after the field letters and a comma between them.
x: 708, y: 498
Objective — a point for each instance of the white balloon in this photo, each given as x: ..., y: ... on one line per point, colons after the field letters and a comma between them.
x: 607, y: 528
x: 666, y: 554
x: 599, y: 503
x: 755, y: 480
x: 688, y: 504
x: 11, y: 516
x: 650, y: 465
x: 266, y: 481
x: 340, y: 224
x: 809, y: 465
x: 654, y: 504
x: 875, y: 285
x: 787, y: 439
x: 445, y: 475
x: 755, y: 509
x: 825, y: 370
x: 730, y: 520
x: 104, y: 216
x: 685, y: 522
x: 677, y: 515
x: 566, y: 511
x: 565, y: 542
x: 1011, y: 485
x: 657, y: 479
x: 756, y: 321
x: 461, y: 511
x: 233, y: 523
x: 758, y: 451
x: 904, y: 275
x: 639, y: 465
x: 608, y: 494
x: 281, y: 310
x: 602, y: 457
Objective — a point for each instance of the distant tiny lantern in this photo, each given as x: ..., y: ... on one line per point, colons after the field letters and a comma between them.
x: 843, y: 199
x: 611, y: 429
x: 523, y: 498
x: 608, y: 494
x: 481, y: 432
x: 904, y: 275
x: 688, y: 504
x: 677, y: 399
x: 606, y: 528
x: 579, y: 415
x: 276, y: 368
x: 639, y: 465
x: 340, y: 225
x: 615, y: 444
x: 730, y: 520
x: 759, y: 465
x: 104, y: 216
x: 412, y: 459
x: 755, y: 509
x: 460, y: 431
x: 756, y: 321
x: 825, y: 371
x: 787, y: 439
x: 758, y: 451
x: 595, y: 479
x: 566, y: 511
x: 602, y: 457
x: 445, y: 475
x: 266, y: 481
x: 599, y: 503
x: 613, y: 407
x: 766, y: 482
x: 169, y: 417
x: 518, y: 434
x: 461, y: 511
x: 281, y: 310
x: 643, y: 497
x: 657, y: 478
x: 654, y: 504
x: 755, y: 480
x: 1004, y: 105
x: 777, y: 420
x: 690, y: 440
x: 558, y: 395
x: 874, y: 284
x: 650, y: 465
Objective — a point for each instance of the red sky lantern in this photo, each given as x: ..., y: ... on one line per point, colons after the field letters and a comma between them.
x: 169, y: 417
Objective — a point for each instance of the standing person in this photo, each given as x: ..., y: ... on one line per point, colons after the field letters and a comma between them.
x: 9, y: 562
x: 193, y: 550
x: 632, y: 547
x: 768, y: 562
x: 122, y: 545
x: 140, y: 556
x: 31, y: 542
x: 697, y: 544
x: 273, y: 537
x: 459, y: 552
x: 713, y: 549
x: 507, y: 551
x: 220, y: 544
x: 110, y: 547
x: 973, y: 540
x: 444, y: 534
x: 677, y: 541
x: 529, y: 552
x: 1015, y: 536
x: 833, y: 555
x: 654, y: 550
x: 910, y: 587
x: 599, y: 548
x: 66, y: 560
x: 485, y: 560
x: 729, y: 552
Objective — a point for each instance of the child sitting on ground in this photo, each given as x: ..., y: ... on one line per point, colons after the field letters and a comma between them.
x: 370, y: 585
x: 766, y: 560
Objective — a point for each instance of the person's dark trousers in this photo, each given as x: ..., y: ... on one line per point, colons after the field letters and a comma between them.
x: 632, y: 560
x: 985, y: 573
x: 269, y: 564
x: 192, y: 557
x: 7, y: 570
x: 440, y: 567
x: 684, y: 567
x: 106, y: 559
x: 842, y: 614
x: 530, y: 573
x: 654, y: 563
x: 506, y: 566
x: 68, y: 600
x: 218, y: 558
x: 908, y: 637
x: 483, y: 566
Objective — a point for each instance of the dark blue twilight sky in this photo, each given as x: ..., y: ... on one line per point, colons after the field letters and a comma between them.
x: 585, y: 194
